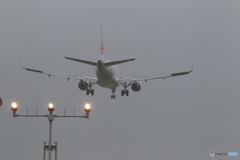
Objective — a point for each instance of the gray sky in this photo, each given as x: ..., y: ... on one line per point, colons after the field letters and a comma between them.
x: 179, y: 118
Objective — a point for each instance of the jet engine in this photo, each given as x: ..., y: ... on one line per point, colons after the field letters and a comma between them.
x: 136, y: 86
x: 83, y: 85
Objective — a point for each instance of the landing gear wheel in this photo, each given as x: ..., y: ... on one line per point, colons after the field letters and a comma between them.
x: 124, y: 92
x: 90, y: 91
x: 113, y: 91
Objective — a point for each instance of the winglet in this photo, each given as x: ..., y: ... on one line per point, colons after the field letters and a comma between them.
x: 29, y: 69
x: 182, y: 73
x: 191, y: 68
x: 21, y: 62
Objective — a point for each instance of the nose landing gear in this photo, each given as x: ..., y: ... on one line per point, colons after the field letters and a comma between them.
x: 113, y: 96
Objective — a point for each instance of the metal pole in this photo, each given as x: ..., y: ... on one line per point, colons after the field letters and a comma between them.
x: 55, y: 150
x: 44, y: 150
x: 50, y: 118
x: 50, y: 140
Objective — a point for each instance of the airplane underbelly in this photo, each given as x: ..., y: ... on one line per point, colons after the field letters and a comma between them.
x: 106, y: 79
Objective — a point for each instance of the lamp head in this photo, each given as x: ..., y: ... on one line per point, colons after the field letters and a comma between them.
x: 87, y: 108
x: 50, y: 107
x: 14, y: 107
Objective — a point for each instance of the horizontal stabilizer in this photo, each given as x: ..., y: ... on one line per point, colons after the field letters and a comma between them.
x: 118, y: 62
x: 82, y: 61
x: 106, y: 63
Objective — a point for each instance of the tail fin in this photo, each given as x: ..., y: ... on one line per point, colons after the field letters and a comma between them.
x: 102, y: 48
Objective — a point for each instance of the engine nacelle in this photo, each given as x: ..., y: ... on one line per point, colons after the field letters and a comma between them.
x: 83, y: 85
x: 136, y: 86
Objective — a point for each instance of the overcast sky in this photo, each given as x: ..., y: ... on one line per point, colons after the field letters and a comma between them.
x: 181, y: 118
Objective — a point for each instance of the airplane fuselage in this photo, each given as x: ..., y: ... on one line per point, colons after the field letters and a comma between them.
x: 107, y: 76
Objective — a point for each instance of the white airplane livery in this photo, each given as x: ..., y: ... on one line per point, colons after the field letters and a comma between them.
x: 108, y: 75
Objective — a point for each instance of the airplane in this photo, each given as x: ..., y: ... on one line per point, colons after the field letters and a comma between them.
x: 108, y: 75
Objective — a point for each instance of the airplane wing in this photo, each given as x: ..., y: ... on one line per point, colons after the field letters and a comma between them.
x: 84, y: 78
x: 68, y: 76
x: 146, y: 78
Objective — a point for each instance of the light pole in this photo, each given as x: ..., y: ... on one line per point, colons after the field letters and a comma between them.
x: 50, y: 116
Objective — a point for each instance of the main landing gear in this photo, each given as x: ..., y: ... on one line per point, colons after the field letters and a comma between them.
x: 90, y: 90
x: 125, y: 91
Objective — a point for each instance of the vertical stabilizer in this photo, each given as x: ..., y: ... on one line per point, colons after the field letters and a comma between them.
x: 102, y: 48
